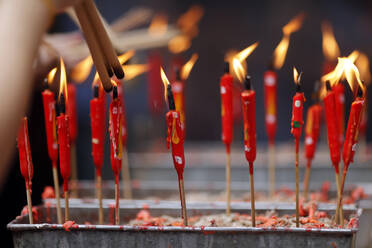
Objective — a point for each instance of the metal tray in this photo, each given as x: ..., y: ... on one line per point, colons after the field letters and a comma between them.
x: 81, y: 235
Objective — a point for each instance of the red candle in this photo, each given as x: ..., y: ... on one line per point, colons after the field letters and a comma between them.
x: 352, y: 131
x: 226, y: 85
x: 115, y: 112
x: 64, y: 148
x: 339, y: 90
x: 124, y: 132
x: 24, y: 149
x: 71, y: 111
x: 97, y: 117
x: 297, y: 117
x: 179, y: 99
x: 270, y: 82
x: 332, y: 128
x: 312, y: 129
x: 249, y: 116
x: 155, y: 92
x: 50, y: 125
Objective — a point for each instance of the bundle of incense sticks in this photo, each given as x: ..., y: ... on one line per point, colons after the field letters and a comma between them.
x: 99, y: 44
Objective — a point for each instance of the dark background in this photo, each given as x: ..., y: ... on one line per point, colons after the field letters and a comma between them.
x: 226, y: 25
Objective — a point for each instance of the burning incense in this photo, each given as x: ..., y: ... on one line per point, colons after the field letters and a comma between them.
x: 296, y: 124
x: 270, y: 92
x: 25, y: 160
x: 312, y: 130
x: 51, y: 134
x: 64, y: 136
x: 115, y: 118
x: 226, y: 85
x: 175, y: 139
x: 97, y: 117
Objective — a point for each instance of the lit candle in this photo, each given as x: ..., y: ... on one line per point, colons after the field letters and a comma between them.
x: 155, y: 100
x: 339, y: 90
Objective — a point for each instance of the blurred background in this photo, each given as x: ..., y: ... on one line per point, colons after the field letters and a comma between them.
x: 225, y: 25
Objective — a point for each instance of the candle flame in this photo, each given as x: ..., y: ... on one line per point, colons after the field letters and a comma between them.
x: 329, y: 44
x: 243, y: 54
x: 158, y: 25
x: 82, y: 70
x: 126, y: 56
x: 362, y: 63
x: 188, y: 21
x: 280, y: 51
x: 296, y: 76
x: 62, y: 80
x: 132, y: 71
x: 187, y: 67
x: 165, y: 82
x: 179, y: 43
x: 241, y: 57
x: 51, y: 75
x: 238, y: 69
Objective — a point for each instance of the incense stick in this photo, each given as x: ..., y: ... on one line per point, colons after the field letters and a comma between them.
x: 253, y: 211
x: 99, y: 196
x: 271, y: 169
x: 57, y: 194
x: 228, y: 183
x: 339, y: 202
x: 67, y: 213
x: 117, y: 217
x: 183, y: 201
x: 29, y: 205
x: 125, y: 175
x: 74, y: 173
x: 98, y: 58
x: 337, y: 175
x: 306, y: 180
x: 297, y: 188
x: 103, y: 39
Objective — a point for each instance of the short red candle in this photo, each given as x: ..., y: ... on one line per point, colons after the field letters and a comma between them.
x: 24, y: 149
x: 64, y: 148
x: 226, y: 85
x: 115, y: 118
x: 249, y: 116
x: 312, y: 130
x: 270, y: 84
x: 97, y: 120
x: 297, y: 117
x: 179, y: 100
x: 50, y: 125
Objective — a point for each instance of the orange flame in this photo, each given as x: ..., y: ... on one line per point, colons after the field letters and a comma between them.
x: 243, y: 54
x: 62, y: 80
x: 354, y: 55
x: 188, y: 21
x: 132, y: 71
x: 329, y: 44
x: 82, y: 70
x: 179, y: 43
x: 296, y: 76
x: 126, y: 56
x: 158, y: 25
x: 280, y: 51
x: 238, y: 69
x: 362, y: 63
x: 51, y: 75
x: 165, y: 82
x: 187, y: 67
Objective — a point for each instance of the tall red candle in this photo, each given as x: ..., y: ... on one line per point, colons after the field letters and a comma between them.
x: 339, y: 90
x: 270, y: 85
x: 64, y: 147
x: 226, y: 85
x: 50, y: 125
x: 179, y: 99
x: 312, y: 130
x: 297, y: 117
x: 115, y: 112
x: 24, y: 149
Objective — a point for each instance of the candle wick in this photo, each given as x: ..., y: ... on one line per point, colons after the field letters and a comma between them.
x: 62, y: 105
x: 328, y: 85
x: 95, y: 91
x: 227, y: 67
x: 170, y: 98
x: 247, y: 82
x: 115, y: 92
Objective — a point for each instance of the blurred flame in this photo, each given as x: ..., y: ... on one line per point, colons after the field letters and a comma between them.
x: 51, y: 75
x: 354, y: 55
x: 132, y: 71
x: 188, y: 21
x: 158, y: 25
x: 186, y: 68
x: 114, y: 83
x: 82, y: 70
x: 62, y: 80
x: 179, y: 43
x: 126, y: 56
x: 238, y: 69
x: 329, y: 44
x: 280, y: 51
x: 165, y: 82
x: 362, y: 63
x: 296, y: 76
x: 242, y: 55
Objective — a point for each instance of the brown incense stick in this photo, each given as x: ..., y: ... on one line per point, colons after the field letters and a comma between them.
x: 297, y: 191
x: 125, y: 175
x: 103, y: 39
x: 57, y: 194
x: 93, y: 45
x: 183, y: 200
x: 306, y: 180
x: 253, y: 209
x: 271, y: 169
x: 99, y: 196
x: 74, y: 174
x: 228, y: 183
x: 337, y: 174
x: 29, y: 205
x: 67, y: 212
x: 117, y: 210
x: 339, y: 202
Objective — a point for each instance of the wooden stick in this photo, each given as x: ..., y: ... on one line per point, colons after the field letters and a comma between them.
x: 67, y: 212
x: 117, y: 210
x: 74, y: 173
x: 271, y: 169
x: 103, y: 39
x: 337, y: 174
x: 253, y: 209
x: 125, y: 175
x: 56, y: 190
x: 99, y: 196
x: 340, y: 203
x: 306, y: 180
x: 228, y: 183
x: 183, y: 200
x: 94, y: 48
x: 29, y: 205
x: 297, y: 191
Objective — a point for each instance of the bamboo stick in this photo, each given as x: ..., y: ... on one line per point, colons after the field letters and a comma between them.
x: 99, y: 196
x: 271, y: 169
x: 57, y: 194
x: 228, y: 183
x: 67, y: 212
x: 117, y: 210
x: 253, y: 208
x: 297, y: 191
x: 29, y: 205
x: 183, y: 201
